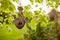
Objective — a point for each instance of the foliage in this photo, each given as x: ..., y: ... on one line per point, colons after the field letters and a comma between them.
x: 8, y: 31
x: 38, y: 26
x: 44, y: 30
x: 53, y: 3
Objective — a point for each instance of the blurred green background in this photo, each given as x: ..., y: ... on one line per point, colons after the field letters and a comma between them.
x: 40, y: 27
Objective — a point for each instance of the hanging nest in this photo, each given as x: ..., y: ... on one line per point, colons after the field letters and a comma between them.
x: 19, y: 23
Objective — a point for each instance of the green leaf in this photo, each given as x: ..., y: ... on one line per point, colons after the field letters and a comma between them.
x: 39, y: 1
x: 32, y: 1
x: 36, y: 12
x: 26, y: 8
x: 7, y: 6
